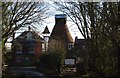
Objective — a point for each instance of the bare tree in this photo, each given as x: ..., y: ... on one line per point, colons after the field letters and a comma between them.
x: 20, y: 14
x: 78, y: 14
x: 100, y: 19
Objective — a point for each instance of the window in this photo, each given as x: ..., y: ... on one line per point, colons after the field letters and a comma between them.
x: 43, y: 47
x: 83, y: 46
x: 18, y: 49
x: 19, y: 52
x: 70, y: 45
x: 29, y: 47
x: 31, y: 52
x: 18, y: 59
x: 46, y: 38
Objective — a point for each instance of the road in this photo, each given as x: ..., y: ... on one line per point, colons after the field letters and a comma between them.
x: 27, y: 72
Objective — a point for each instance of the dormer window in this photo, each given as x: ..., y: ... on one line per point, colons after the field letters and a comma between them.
x: 29, y: 35
x: 70, y: 46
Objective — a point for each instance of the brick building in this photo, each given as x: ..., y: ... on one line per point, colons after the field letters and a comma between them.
x: 27, y: 48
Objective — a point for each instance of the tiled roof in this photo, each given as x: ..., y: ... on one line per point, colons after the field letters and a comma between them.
x: 35, y: 36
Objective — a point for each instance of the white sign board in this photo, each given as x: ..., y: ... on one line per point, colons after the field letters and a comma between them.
x: 69, y: 61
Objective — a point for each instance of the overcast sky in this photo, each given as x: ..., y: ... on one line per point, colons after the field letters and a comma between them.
x: 50, y: 22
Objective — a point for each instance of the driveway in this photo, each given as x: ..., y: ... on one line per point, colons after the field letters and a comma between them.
x: 24, y: 72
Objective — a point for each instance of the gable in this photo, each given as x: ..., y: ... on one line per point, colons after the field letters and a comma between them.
x: 29, y: 35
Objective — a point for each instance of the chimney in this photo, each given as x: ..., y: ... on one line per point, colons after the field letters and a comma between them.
x: 29, y: 28
x: 60, y: 19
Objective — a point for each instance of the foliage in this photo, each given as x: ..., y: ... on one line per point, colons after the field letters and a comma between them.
x: 21, y: 14
x: 99, y: 23
x: 77, y: 13
x: 105, y: 30
x: 52, y: 60
x: 16, y: 15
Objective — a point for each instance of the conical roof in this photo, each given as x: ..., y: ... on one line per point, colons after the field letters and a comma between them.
x: 60, y: 30
x: 46, y: 31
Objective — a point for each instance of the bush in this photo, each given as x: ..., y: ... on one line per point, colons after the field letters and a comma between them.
x: 50, y: 61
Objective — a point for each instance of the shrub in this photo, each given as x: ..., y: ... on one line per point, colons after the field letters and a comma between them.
x: 50, y: 61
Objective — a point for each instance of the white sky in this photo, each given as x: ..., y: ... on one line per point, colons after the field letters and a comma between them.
x: 50, y: 22
x: 72, y: 28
